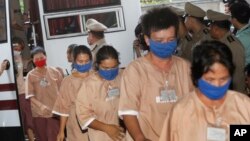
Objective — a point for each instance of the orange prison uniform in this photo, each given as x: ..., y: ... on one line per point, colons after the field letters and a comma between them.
x: 191, y: 120
x: 141, y: 87
x: 47, y: 127
x: 24, y: 103
x: 93, y: 103
x: 65, y: 106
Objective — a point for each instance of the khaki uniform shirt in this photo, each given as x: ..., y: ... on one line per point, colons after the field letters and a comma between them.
x: 185, y: 45
x: 43, y: 88
x: 201, y: 36
x: 142, y: 88
x: 191, y: 120
x: 95, y: 101
x: 238, y: 59
x: 65, y: 106
x: 96, y: 46
x: 19, y: 76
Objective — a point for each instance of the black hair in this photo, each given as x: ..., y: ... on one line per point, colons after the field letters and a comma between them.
x: 97, y: 34
x: 17, y: 40
x: 71, y: 47
x: 106, y: 52
x: 208, y: 53
x: 37, y: 50
x: 159, y: 18
x: 81, y: 49
x: 241, y: 12
x: 231, y: 2
x: 138, y: 30
x: 225, y: 24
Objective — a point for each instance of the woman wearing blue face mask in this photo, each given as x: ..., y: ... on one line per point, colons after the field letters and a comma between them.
x: 98, y: 99
x: 65, y: 103
x: 206, y: 113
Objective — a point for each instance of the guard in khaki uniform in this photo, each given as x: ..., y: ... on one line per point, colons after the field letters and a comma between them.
x: 185, y: 40
x: 195, y: 23
x: 220, y: 30
x: 95, y: 37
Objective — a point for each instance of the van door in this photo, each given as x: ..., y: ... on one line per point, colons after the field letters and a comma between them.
x: 10, y: 120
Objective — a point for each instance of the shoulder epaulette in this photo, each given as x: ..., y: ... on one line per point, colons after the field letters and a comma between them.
x: 206, y: 31
x: 188, y: 37
x: 230, y: 38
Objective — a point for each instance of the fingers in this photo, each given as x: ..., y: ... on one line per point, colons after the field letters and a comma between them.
x: 121, y: 134
x: 121, y: 129
x: 3, y: 65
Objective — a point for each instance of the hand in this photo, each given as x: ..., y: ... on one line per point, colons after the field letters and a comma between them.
x: 3, y: 66
x: 136, y: 43
x: 46, y: 111
x: 115, y: 132
x: 141, y: 138
x: 60, y: 136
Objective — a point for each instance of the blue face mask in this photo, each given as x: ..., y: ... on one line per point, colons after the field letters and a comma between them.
x: 83, y: 68
x: 211, y: 91
x: 109, y: 74
x: 163, y: 50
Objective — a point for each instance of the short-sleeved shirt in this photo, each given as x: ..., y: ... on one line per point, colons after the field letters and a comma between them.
x: 65, y: 106
x: 191, y: 120
x: 98, y: 99
x: 96, y: 46
x: 20, y: 78
x: 244, y: 35
x: 186, y: 44
x: 141, y: 87
x: 201, y: 36
x: 44, y: 88
x: 238, y: 59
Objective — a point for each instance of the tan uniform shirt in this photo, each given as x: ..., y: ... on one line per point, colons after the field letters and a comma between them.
x: 19, y: 76
x: 43, y: 88
x: 185, y: 46
x: 142, y: 88
x: 190, y: 119
x: 238, y: 59
x: 65, y: 106
x: 96, y: 46
x: 201, y: 36
x: 98, y: 99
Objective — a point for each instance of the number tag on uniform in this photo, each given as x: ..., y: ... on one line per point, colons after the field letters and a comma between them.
x: 43, y: 83
x: 112, y: 93
x: 216, y: 134
x: 166, y: 96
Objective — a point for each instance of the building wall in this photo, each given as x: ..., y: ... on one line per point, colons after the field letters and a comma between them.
x: 204, y: 4
x: 121, y: 40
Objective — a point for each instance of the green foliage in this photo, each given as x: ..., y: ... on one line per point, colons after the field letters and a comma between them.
x: 21, y: 3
